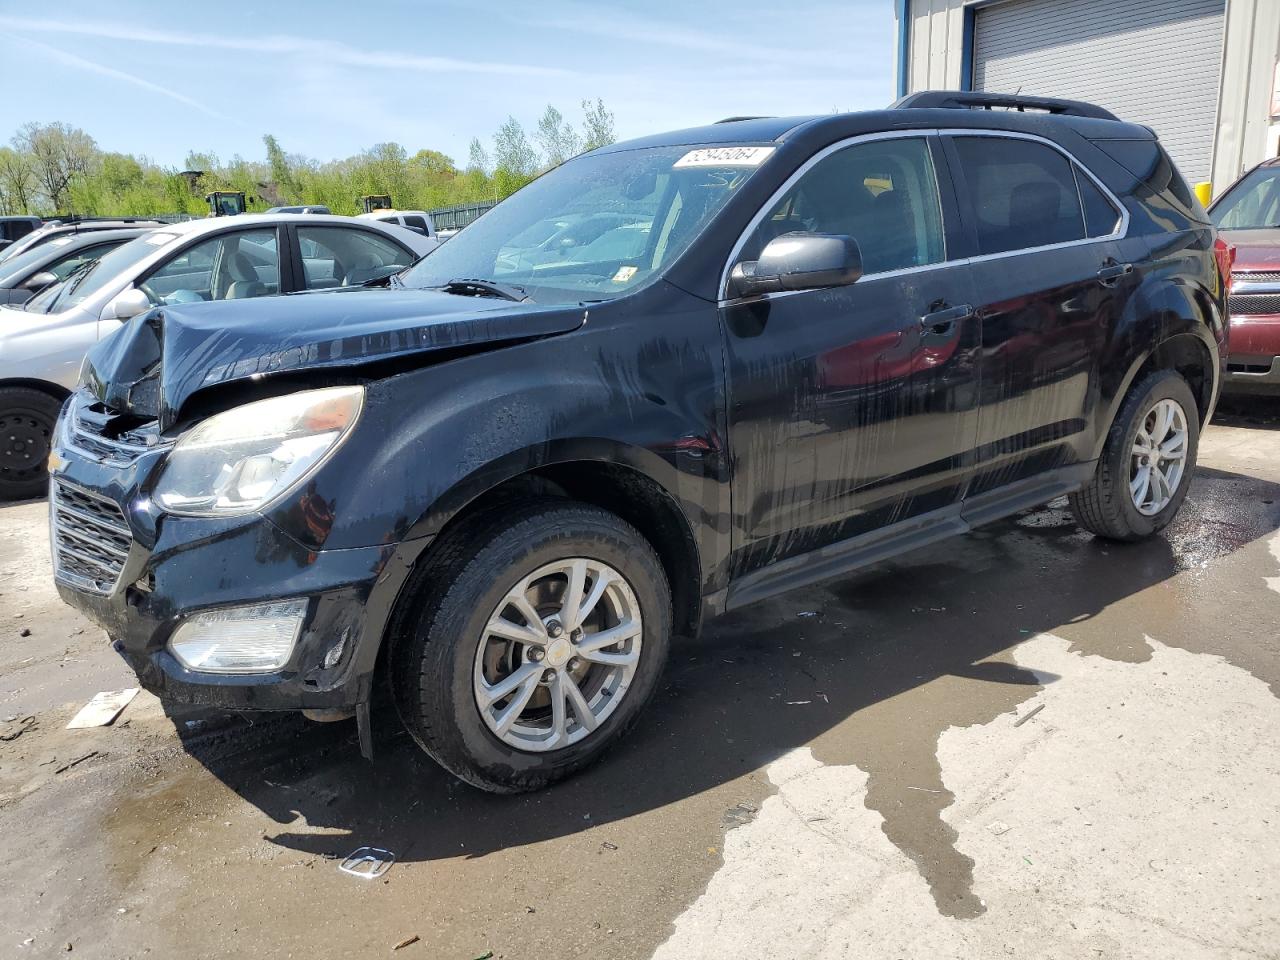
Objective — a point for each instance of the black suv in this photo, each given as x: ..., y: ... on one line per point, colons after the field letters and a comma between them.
x: 760, y: 354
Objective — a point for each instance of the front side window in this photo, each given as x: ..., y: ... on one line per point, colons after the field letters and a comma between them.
x: 1252, y: 204
x: 339, y: 257
x: 91, y: 278
x: 233, y: 266
x: 1023, y: 193
x: 598, y: 226
x: 882, y: 193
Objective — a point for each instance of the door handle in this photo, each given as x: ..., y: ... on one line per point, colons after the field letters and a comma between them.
x: 1112, y: 271
x: 942, y: 323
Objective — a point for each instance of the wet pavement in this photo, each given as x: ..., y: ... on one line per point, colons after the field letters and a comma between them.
x: 1024, y: 742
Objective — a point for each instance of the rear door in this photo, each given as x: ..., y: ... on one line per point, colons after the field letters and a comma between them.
x: 1049, y: 285
x: 855, y: 407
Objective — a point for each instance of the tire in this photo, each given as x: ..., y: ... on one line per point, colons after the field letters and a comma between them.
x: 27, y: 418
x: 443, y: 659
x: 1107, y: 506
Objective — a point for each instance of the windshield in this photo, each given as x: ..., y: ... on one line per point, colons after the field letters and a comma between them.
x: 595, y: 227
x: 1252, y: 204
x: 16, y: 267
x: 85, y: 282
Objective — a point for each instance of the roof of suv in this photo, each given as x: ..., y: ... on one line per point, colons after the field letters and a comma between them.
x: 1085, y: 119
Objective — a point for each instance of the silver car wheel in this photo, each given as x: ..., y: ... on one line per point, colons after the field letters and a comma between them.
x: 558, y: 655
x: 1159, y: 457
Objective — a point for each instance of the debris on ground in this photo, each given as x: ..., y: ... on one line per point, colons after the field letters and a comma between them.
x: 24, y: 632
x: 796, y: 703
x: 102, y: 709
x: 367, y: 863
x: 1023, y: 719
x: 487, y: 955
x: 22, y: 726
x: 406, y: 942
x: 999, y: 827
x: 76, y: 762
x: 609, y: 846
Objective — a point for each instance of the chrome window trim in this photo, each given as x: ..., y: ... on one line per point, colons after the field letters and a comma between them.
x: 777, y: 195
x: 1121, y: 231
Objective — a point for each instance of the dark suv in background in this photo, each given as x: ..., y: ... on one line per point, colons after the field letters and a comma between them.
x: 503, y: 482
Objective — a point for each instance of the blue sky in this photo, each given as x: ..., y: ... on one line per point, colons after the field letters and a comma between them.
x: 331, y: 78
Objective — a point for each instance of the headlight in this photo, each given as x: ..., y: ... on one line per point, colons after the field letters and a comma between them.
x: 239, y: 461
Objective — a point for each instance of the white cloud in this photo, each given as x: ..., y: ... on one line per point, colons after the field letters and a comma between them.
x: 330, y: 51
x: 80, y: 63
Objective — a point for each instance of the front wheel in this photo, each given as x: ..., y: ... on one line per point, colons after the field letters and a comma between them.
x: 540, y: 643
x: 27, y: 418
x: 1145, y: 468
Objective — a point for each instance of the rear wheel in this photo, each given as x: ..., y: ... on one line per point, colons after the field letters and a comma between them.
x: 27, y: 418
x: 1145, y: 468
x: 540, y: 643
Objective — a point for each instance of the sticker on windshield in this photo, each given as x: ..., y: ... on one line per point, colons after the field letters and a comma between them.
x: 624, y: 274
x: 159, y: 239
x: 59, y: 241
x: 725, y: 157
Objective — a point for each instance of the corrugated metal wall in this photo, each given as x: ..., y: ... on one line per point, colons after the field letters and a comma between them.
x: 1155, y: 63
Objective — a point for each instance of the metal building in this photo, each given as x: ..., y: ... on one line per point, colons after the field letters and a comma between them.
x: 1202, y: 73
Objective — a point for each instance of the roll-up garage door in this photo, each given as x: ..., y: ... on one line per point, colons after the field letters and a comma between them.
x: 1150, y: 62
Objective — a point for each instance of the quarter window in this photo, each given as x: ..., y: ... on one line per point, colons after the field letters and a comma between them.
x: 1100, y: 215
x: 883, y: 193
x: 1023, y: 193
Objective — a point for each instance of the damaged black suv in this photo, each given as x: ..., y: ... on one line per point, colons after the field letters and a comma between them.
x: 667, y: 379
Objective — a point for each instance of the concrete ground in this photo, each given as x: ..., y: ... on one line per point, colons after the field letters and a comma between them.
x: 1021, y: 743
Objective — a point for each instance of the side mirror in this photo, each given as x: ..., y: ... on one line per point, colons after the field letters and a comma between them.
x: 798, y: 261
x: 38, y: 281
x: 126, y: 305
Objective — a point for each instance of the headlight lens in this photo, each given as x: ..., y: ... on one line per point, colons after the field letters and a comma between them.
x: 238, y: 461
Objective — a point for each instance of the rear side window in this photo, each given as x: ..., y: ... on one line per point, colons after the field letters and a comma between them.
x: 1023, y: 193
x: 1149, y: 162
x: 416, y: 223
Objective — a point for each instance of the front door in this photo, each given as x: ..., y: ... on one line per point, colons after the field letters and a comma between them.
x: 854, y: 407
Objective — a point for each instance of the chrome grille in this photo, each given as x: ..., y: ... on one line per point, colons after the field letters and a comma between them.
x: 91, y: 539
x: 1250, y: 304
x: 1256, y: 276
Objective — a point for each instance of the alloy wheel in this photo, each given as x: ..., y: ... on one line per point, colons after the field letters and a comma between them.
x: 558, y: 654
x: 1159, y: 457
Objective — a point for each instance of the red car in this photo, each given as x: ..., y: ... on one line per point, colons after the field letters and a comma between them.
x: 1248, y: 216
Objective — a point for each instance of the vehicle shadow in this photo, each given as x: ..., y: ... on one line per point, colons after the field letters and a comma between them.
x: 1244, y: 411
x: 780, y: 675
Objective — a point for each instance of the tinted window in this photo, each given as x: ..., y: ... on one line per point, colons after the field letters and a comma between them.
x: 883, y: 194
x: 417, y: 223
x: 234, y: 266
x: 1100, y: 215
x: 1023, y: 193
x: 338, y: 257
x: 1162, y: 184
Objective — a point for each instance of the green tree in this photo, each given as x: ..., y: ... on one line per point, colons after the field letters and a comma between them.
x: 597, y: 125
x: 59, y: 155
x: 281, y: 172
x: 558, y: 139
x: 17, y: 181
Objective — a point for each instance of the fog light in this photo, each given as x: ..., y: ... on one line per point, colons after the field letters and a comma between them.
x: 253, y: 639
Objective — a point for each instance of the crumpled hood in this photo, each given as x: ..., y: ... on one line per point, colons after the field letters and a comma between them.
x: 157, y: 361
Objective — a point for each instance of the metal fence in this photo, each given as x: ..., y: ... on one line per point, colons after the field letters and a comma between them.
x: 458, y: 216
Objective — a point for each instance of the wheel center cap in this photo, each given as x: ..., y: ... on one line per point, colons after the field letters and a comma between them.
x: 559, y: 651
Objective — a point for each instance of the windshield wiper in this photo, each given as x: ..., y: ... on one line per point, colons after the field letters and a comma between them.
x: 472, y: 287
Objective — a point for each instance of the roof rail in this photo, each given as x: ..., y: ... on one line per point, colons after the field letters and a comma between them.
x: 736, y: 119
x: 963, y: 100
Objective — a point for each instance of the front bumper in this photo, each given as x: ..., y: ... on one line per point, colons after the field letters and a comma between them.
x: 176, y: 566
x: 1253, y: 365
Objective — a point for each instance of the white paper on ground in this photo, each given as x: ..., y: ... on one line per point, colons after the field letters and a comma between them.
x: 102, y: 709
